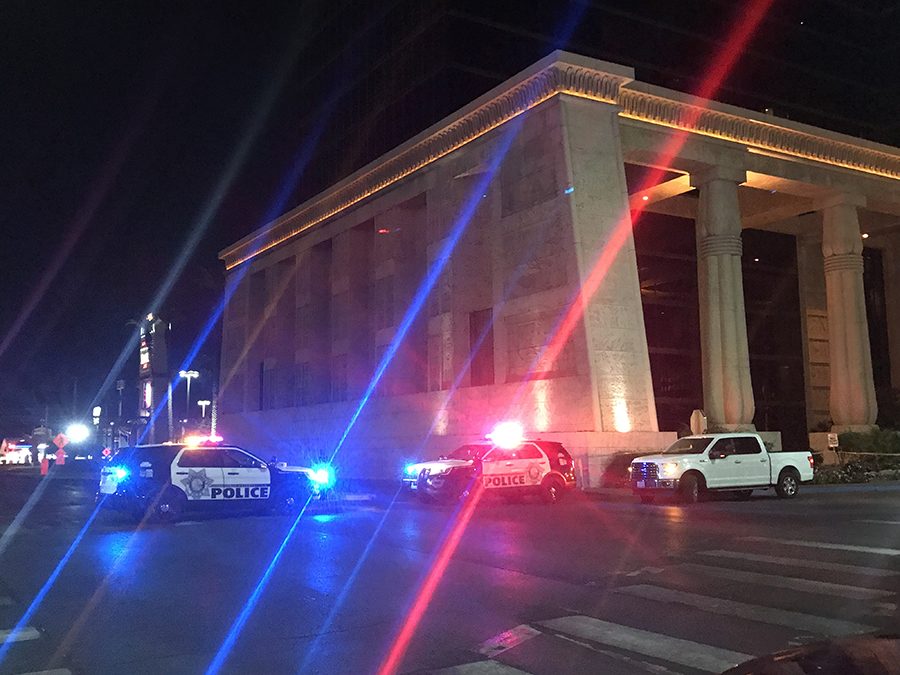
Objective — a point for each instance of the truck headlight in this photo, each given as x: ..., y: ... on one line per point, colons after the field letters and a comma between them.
x: 669, y: 469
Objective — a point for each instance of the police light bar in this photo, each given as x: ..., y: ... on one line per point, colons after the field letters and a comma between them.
x: 195, y: 441
x: 507, y: 435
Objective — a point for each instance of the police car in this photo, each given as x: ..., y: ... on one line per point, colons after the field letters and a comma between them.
x: 167, y: 480
x: 506, y: 464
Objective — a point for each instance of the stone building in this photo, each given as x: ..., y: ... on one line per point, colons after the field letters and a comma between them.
x: 589, y: 254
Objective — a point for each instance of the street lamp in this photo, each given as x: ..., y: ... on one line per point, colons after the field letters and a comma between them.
x: 203, y: 405
x: 188, y: 375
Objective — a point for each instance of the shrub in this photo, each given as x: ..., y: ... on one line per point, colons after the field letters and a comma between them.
x: 878, y: 440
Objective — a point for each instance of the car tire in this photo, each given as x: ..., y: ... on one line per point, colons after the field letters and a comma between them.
x: 170, y: 505
x: 788, y: 484
x: 690, y: 489
x: 552, y: 490
x: 647, y: 499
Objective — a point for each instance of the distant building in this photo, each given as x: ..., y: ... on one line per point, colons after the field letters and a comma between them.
x: 759, y: 282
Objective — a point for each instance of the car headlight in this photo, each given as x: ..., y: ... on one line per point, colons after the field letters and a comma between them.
x: 410, y: 470
x: 669, y: 469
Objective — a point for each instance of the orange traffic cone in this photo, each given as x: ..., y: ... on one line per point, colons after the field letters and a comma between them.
x: 45, y: 466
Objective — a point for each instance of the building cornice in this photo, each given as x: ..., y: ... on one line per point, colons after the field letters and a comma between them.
x: 563, y: 73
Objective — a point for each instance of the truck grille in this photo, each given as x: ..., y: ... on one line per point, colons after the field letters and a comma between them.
x: 644, y: 471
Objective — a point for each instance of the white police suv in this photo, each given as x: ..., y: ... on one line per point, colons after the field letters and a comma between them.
x: 506, y: 464
x: 167, y: 480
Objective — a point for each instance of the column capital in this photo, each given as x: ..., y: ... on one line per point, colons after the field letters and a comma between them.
x: 718, y: 172
x: 840, y: 199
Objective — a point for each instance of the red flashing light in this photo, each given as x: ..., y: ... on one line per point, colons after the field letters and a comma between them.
x: 383, y: 230
x: 196, y: 441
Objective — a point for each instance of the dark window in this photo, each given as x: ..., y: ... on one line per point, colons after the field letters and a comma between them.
x: 688, y: 446
x: 725, y: 445
x: 876, y: 315
x: 202, y: 457
x: 235, y: 458
x: 746, y: 445
x: 481, y: 346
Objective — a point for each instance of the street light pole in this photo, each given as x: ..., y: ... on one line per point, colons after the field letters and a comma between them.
x: 188, y: 375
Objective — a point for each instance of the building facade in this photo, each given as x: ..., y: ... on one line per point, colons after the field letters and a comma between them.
x: 591, y: 255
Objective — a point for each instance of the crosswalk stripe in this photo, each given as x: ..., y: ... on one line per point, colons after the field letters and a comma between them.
x: 800, y: 562
x: 779, y: 617
x: 54, y: 671
x: 880, y: 522
x: 824, y: 544
x: 481, y: 668
x: 791, y: 583
x: 13, y: 635
x: 656, y: 645
x: 507, y: 640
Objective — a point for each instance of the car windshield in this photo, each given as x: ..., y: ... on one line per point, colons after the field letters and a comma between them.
x: 470, y: 451
x: 688, y: 446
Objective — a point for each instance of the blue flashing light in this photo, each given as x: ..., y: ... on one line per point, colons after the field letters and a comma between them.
x: 569, y: 190
x: 410, y: 469
x: 323, y: 476
x: 120, y: 472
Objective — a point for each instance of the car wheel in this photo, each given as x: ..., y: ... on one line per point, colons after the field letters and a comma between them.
x: 647, y: 499
x: 788, y: 484
x: 170, y: 505
x: 690, y: 489
x: 552, y: 490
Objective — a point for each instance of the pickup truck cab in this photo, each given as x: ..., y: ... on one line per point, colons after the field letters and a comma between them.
x: 719, y: 462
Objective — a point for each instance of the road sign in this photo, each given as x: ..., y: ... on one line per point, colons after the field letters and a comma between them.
x: 832, y: 440
x: 60, y: 441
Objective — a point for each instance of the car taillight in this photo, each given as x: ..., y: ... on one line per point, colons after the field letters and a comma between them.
x: 812, y: 462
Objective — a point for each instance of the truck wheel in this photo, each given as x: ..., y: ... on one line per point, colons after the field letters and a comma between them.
x: 170, y: 505
x: 647, y: 499
x: 690, y: 489
x: 552, y: 490
x: 788, y: 484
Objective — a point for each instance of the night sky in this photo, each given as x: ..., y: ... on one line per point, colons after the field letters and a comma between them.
x: 119, y: 123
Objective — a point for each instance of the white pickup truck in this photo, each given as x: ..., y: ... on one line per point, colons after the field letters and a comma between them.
x: 736, y: 462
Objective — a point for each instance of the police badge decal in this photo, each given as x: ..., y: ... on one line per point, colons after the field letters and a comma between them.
x: 197, y: 484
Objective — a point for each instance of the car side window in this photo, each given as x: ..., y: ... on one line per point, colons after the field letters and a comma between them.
x: 746, y: 446
x: 201, y: 457
x: 497, y: 455
x: 236, y: 459
x: 724, y: 446
x: 528, y: 451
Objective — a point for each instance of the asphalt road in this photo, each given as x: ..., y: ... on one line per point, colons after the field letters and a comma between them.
x: 596, y: 584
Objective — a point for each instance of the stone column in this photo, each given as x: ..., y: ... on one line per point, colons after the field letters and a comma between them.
x: 852, y: 395
x: 613, y: 319
x: 727, y: 391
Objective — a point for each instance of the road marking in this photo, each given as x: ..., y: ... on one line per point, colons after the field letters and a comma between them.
x: 481, y: 668
x: 55, y: 671
x: 800, y: 562
x: 5, y: 601
x: 791, y: 583
x: 824, y: 544
x: 507, y: 640
x: 634, y: 663
x: 880, y: 522
x: 778, y: 617
x: 656, y: 645
x: 13, y: 635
